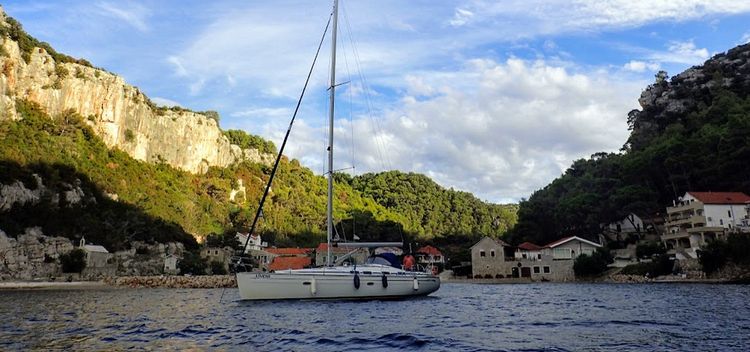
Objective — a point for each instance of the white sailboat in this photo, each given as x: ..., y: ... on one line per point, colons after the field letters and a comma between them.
x: 367, y: 281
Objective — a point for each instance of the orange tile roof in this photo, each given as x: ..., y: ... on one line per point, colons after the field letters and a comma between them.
x: 429, y: 250
x: 721, y: 197
x: 529, y: 246
x: 289, y: 251
x: 282, y: 263
x: 324, y: 246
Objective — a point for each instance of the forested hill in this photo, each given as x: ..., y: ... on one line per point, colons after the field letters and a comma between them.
x: 58, y: 171
x: 432, y: 210
x: 691, y: 133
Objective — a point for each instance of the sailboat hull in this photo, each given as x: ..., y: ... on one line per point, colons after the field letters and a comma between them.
x: 294, y: 284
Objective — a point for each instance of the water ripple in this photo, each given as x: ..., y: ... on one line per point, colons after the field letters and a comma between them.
x: 461, y: 317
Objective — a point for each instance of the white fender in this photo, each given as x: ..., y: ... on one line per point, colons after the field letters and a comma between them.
x: 313, y: 287
x: 416, y: 284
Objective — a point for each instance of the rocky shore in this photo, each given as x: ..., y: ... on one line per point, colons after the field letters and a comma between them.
x: 206, y: 281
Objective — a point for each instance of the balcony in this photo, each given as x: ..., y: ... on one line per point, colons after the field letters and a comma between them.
x: 674, y: 236
x: 682, y: 220
x: 681, y: 208
x: 699, y: 229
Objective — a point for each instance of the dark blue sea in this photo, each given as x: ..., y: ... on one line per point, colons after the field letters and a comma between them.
x: 459, y: 317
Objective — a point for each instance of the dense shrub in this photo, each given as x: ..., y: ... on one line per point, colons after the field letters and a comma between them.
x: 192, y: 263
x: 218, y: 268
x: 224, y: 240
x: 716, y: 254
x: 660, y: 265
x: 249, y: 141
x: 649, y: 249
x: 592, y: 265
x: 27, y: 43
x: 73, y: 261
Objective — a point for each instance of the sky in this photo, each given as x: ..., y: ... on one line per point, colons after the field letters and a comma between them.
x: 496, y: 98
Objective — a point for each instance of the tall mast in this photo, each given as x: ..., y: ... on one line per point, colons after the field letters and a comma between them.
x: 329, y: 211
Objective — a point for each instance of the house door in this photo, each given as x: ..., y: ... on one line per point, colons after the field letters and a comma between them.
x: 514, y: 272
x: 526, y: 272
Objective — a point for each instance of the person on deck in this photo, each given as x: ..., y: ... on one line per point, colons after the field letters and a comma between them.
x: 408, y: 262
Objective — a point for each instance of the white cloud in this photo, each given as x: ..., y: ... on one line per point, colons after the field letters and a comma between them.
x: 683, y: 53
x: 641, y: 66
x: 511, y: 128
x: 179, y: 68
x: 745, y: 38
x: 533, y: 17
x: 164, y: 102
x: 461, y: 17
x: 263, y: 112
x: 133, y: 14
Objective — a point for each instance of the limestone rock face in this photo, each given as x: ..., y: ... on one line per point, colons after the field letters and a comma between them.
x: 119, y: 113
x: 32, y: 255
x: 668, y: 101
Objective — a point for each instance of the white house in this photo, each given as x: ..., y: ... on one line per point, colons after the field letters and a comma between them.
x: 698, y: 217
x: 630, y: 224
x: 569, y: 248
x: 255, y: 243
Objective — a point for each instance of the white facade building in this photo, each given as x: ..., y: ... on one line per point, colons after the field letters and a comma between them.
x: 255, y: 244
x: 570, y: 248
x: 699, y: 217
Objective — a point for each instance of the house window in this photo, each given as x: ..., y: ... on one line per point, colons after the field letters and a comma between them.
x: 482, y: 254
x: 523, y: 255
x: 437, y: 258
x: 721, y: 221
x: 562, y: 253
x: 539, y: 256
x: 492, y: 253
x: 729, y: 213
x: 546, y: 270
x: 536, y: 270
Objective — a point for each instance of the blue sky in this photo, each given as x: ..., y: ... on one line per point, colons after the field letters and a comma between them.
x: 491, y: 97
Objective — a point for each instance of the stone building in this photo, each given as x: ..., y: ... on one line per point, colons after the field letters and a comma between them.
x: 493, y: 258
x: 488, y: 257
x: 96, y: 256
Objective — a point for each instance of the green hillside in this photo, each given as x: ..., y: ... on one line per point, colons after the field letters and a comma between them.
x: 135, y: 200
x: 66, y: 150
x: 693, y: 133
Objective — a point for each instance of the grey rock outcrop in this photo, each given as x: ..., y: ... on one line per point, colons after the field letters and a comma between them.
x: 119, y: 113
x: 31, y: 256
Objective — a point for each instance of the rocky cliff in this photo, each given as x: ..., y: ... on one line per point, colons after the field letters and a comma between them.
x: 669, y: 101
x: 119, y: 113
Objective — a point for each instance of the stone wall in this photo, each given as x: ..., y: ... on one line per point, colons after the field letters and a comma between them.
x: 213, y: 281
x: 35, y: 256
x: 31, y: 256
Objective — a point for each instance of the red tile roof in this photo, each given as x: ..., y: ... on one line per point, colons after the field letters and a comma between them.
x: 529, y: 246
x: 289, y: 251
x: 324, y: 246
x: 429, y: 250
x: 282, y: 263
x: 721, y: 197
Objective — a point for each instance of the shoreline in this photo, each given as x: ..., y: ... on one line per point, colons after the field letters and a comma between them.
x: 53, y: 285
x: 222, y: 281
